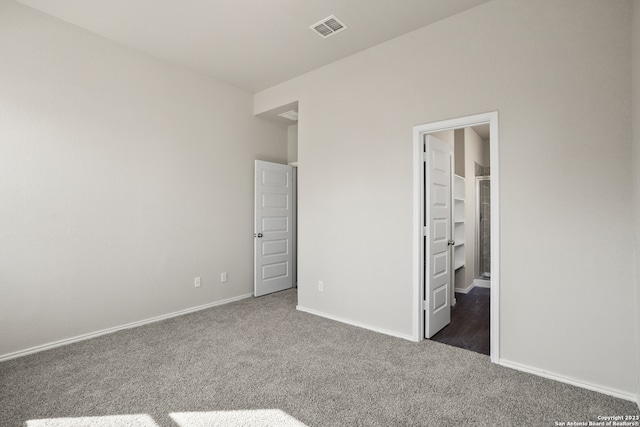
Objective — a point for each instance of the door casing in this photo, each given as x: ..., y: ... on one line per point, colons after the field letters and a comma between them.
x: 419, y: 132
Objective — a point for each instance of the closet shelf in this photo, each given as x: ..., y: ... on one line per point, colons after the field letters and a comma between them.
x: 459, y: 251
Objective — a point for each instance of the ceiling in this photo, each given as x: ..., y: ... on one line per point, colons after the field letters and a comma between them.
x: 251, y: 44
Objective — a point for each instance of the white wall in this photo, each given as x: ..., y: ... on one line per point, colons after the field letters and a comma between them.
x: 122, y: 178
x: 561, y: 82
x: 636, y: 163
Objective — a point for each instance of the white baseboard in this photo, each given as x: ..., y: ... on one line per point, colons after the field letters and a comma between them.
x: 477, y: 283
x: 482, y: 283
x: 566, y: 380
x: 465, y: 290
x: 357, y: 324
x: 90, y: 335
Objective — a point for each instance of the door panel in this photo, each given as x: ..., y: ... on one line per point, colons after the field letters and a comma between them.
x: 276, y: 201
x: 438, y: 272
x: 273, y: 236
x: 273, y: 225
x: 275, y: 247
x: 440, y: 298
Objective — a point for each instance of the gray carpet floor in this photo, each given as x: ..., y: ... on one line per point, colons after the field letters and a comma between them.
x: 261, y: 362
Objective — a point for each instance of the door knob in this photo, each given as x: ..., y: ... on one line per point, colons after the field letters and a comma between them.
x: 258, y: 235
x: 451, y: 242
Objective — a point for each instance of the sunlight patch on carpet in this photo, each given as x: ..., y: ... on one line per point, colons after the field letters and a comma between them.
x: 247, y: 418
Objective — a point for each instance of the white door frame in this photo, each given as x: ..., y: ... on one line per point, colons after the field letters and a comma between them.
x: 490, y: 118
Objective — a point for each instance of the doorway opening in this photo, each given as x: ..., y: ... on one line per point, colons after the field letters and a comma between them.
x: 464, y: 270
x: 276, y: 210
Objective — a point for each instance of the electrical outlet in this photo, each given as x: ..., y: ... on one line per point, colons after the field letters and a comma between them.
x: 223, y: 277
x: 320, y: 286
x: 196, y: 282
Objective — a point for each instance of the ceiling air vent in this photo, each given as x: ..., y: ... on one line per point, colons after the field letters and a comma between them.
x: 328, y: 26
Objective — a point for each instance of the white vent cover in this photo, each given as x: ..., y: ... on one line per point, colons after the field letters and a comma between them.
x: 328, y: 26
x: 291, y: 115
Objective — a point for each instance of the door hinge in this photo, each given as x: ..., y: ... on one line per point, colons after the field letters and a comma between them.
x: 425, y: 305
x: 425, y: 231
x: 425, y: 157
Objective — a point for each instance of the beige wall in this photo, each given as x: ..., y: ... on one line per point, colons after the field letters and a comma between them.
x: 561, y: 84
x: 122, y: 179
x: 460, y: 168
x: 486, y: 152
x: 292, y: 143
x: 445, y: 136
x: 636, y: 162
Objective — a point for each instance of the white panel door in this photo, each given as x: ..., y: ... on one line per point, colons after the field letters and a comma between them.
x: 273, y: 229
x: 438, y: 244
